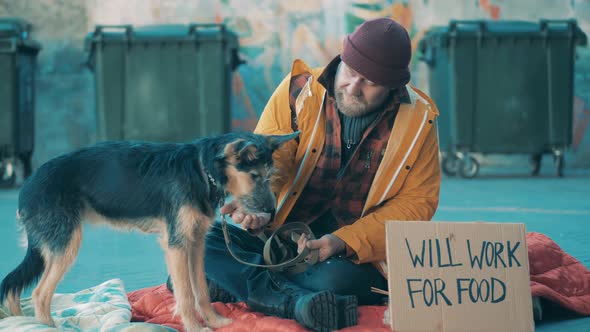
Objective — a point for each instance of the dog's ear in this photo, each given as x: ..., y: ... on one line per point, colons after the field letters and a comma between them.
x: 248, y: 152
x: 277, y: 140
x: 230, y: 152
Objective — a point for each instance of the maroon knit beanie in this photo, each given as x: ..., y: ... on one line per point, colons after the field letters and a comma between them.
x: 380, y: 50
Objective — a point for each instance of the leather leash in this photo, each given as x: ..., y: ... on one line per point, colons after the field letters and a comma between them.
x: 272, y: 259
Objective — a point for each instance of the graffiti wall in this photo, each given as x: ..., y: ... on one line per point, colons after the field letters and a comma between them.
x: 272, y: 34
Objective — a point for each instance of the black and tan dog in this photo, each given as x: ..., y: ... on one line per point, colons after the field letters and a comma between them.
x: 173, y: 189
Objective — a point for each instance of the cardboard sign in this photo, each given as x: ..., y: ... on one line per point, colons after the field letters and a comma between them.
x: 457, y: 276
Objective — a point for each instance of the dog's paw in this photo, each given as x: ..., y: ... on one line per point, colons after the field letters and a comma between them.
x: 47, y: 321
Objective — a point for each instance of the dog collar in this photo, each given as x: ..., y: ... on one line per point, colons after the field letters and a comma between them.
x: 211, y: 180
x: 219, y: 195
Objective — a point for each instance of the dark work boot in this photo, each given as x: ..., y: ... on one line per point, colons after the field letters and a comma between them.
x: 216, y: 292
x: 347, y: 311
x: 275, y: 295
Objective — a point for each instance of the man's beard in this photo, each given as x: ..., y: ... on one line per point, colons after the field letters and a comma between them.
x: 355, y: 106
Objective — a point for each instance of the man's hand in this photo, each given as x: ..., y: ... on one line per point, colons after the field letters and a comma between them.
x: 253, y: 222
x: 329, y: 245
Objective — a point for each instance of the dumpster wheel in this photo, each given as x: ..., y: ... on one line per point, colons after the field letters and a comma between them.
x: 535, y: 163
x: 559, y: 161
x: 468, y: 167
x: 450, y: 164
x: 25, y: 158
x: 7, y: 175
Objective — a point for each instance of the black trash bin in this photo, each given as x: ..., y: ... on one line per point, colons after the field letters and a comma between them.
x: 18, y: 58
x: 503, y: 87
x: 162, y: 82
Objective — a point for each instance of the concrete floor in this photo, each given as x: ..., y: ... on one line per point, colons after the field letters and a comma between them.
x: 557, y: 207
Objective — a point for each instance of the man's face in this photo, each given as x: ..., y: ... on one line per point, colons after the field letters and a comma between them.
x: 356, y: 95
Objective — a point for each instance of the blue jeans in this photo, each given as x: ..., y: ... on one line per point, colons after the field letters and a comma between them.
x: 337, y: 274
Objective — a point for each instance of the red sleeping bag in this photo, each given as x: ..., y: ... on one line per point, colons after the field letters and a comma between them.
x: 555, y: 275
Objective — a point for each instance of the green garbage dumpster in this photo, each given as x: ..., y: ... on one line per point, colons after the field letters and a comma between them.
x: 502, y: 87
x: 162, y: 82
x: 18, y: 59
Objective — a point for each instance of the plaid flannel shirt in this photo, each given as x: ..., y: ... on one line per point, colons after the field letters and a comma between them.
x: 343, y: 189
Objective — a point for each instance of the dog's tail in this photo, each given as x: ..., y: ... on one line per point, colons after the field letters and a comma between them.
x: 25, y: 274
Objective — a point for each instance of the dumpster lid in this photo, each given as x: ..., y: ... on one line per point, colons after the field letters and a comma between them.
x: 496, y: 27
x: 15, y: 32
x: 178, y: 31
x: 14, y: 27
x: 165, y: 33
x: 159, y: 33
x: 506, y: 28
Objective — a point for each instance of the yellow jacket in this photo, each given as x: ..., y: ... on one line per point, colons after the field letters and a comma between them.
x: 406, y: 185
